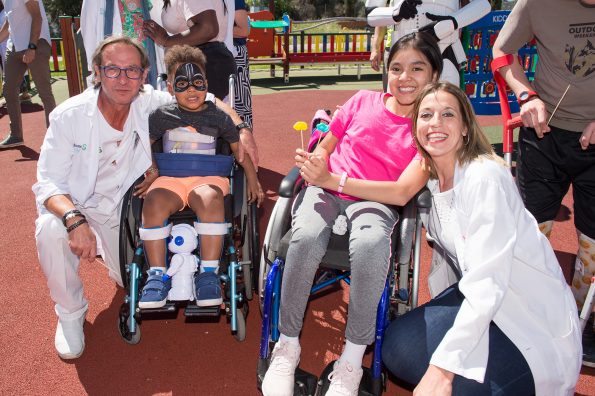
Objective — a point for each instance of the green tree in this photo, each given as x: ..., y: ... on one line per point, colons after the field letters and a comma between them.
x: 56, y: 8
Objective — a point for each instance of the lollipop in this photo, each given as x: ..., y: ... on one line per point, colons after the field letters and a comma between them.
x: 322, y: 128
x: 301, y: 126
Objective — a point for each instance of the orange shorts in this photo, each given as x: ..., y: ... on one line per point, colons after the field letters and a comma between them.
x: 183, y: 186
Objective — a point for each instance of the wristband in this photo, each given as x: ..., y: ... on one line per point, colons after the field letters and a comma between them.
x: 75, y: 225
x: 342, y: 182
x: 70, y: 214
x: 243, y: 125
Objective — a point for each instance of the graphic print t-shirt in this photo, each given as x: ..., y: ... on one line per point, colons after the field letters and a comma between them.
x: 565, y: 35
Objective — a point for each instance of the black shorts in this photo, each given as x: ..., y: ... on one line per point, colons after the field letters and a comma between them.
x: 545, y: 169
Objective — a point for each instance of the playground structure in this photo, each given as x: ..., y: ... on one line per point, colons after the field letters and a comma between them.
x: 273, y: 43
x: 269, y: 46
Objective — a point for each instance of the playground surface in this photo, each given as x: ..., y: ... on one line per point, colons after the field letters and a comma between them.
x: 175, y: 357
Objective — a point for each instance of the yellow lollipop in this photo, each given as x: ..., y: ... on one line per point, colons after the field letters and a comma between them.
x: 301, y: 126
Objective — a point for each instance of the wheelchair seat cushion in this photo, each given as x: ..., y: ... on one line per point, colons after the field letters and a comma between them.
x: 208, y: 289
x: 154, y: 294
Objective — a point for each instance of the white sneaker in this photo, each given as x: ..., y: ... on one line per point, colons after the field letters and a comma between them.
x: 280, y: 377
x: 344, y: 380
x: 70, y: 339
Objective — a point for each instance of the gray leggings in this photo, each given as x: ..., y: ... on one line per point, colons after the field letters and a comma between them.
x: 370, y: 225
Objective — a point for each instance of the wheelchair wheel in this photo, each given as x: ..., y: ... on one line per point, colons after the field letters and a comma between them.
x: 279, y: 223
x: 124, y: 330
x: 129, y: 224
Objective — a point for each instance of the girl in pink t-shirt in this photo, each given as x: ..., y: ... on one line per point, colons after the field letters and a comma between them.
x: 370, y: 139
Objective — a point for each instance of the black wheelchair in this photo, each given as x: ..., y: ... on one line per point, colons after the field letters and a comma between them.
x: 399, y: 296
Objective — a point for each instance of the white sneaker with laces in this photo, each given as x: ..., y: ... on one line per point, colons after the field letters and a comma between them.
x: 344, y: 380
x: 280, y: 377
x: 70, y: 339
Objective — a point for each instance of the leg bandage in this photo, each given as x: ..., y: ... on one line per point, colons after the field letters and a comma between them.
x: 211, y: 228
x: 584, y: 268
x: 214, y: 229
x: 546, y: 228
x: 155, y: 233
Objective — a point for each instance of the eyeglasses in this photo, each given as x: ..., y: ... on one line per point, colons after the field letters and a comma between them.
x: 132, y: 73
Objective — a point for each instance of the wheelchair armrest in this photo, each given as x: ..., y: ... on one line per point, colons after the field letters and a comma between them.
x: 291, y: 183
x: 423, y: 199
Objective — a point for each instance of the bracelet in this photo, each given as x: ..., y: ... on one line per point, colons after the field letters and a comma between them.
x: 152, y: 169
x: 70, y: 214
x: 75, y: 225
x: 243, y: 125
x: 342, y: 182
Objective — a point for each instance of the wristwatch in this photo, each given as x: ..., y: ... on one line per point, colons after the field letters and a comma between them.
x: 526, y: 96
x: 32, y: 46
x: 243, y: 125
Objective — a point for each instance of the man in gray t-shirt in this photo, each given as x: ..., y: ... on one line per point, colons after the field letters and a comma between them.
x: 557, y: 142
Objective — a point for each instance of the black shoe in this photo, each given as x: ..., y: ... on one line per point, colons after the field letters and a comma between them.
x: 589, y: 344
x: 11, y: 141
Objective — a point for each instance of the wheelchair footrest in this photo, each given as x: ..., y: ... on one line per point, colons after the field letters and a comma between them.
x: 169, y: 307
x: 369, y: 386
x: 194, y: 310
x: 305, y: 382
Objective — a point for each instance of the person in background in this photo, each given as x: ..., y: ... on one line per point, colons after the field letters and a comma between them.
x: 205, y: 24
x: 243, y: 91
x: 556, y: 145
x: 28, y: 47
x: 103, y: 18
x: 441, y: 18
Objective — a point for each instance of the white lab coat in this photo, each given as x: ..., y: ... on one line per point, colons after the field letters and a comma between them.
x: 510, y: 276
x: 69, y: 158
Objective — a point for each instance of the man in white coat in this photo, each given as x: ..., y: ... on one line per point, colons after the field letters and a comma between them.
x: 96, y: 146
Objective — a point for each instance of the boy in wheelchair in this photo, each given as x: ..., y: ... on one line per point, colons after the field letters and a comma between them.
x: 191, y: 115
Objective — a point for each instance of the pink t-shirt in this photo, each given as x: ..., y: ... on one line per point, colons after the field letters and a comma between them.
x: 374, y: 144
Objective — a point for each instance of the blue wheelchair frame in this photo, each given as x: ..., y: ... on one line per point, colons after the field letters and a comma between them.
x: 399, y: 294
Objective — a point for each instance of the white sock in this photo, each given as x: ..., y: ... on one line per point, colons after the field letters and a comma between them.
x: 292, y: 340
x: 209, y: 266
x: 162, y: 269
x: 353, y: 354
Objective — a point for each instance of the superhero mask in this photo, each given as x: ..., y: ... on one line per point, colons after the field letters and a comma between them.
x: 189, y: 75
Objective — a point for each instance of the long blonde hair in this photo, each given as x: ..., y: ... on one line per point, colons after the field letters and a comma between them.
x: 475, y: 144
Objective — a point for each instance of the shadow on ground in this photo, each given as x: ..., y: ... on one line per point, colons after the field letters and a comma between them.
x: 311, y: 82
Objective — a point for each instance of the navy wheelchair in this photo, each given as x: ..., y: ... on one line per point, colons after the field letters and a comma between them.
x: 399, y: 296
x: 240, y: 253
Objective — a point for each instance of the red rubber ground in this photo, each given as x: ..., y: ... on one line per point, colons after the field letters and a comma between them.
x: 173, y: 356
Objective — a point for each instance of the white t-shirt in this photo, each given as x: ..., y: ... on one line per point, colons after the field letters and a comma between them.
x: 20, y: 24
x: 176, y: 18
x: 115, y: 156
